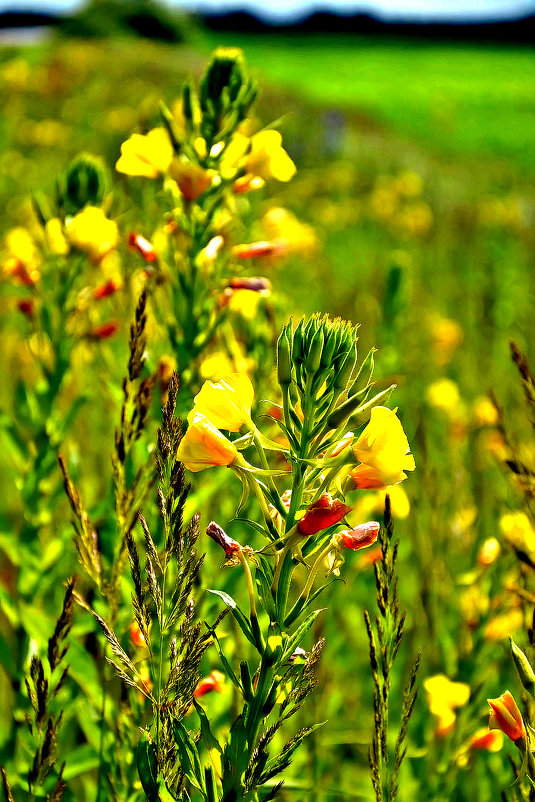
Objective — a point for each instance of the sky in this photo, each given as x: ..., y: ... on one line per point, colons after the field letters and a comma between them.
x: 283, y: 10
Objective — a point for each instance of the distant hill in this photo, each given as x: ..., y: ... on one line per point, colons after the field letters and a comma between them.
x: 520, y: 31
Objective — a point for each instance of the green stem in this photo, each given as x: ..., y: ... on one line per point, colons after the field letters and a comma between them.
x: 252, y: 602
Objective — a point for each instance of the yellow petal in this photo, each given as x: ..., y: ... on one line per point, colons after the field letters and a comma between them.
x: 203, y: 446
x: 226, y: 403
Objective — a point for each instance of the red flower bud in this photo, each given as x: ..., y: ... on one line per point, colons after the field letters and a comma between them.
x: 218, y: 534
x: 214, y: 682
x: 361, y: 536
x: 321, y: 514
x: 26, y: 307
x: 254, y: 283
x: 505, y: 716
x: 142, y: 246
x: 105, y: 331
x: 256, y: 249
x: 105, y: 290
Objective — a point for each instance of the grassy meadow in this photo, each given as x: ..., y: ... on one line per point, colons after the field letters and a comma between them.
x: 416, y: 206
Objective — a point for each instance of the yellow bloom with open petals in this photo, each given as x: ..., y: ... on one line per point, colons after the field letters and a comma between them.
x: 146, y: 155
x: 443, y: 697
x: 261, y: 156
x: 383, y: 451
x: 226, y: 403
x: 203, y: 446
x: 92, y: 232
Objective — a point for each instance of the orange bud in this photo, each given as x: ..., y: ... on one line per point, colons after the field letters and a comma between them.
x: 142, y: 246
x: 105, y: 290
x: 256, y: 249
x: 136, y: 635
x: 105, y: 331
x: 486, y: 739
x: 371, y: 557
x: 505, y: 716
x: 26, y: 307
x: 360, y: 537
x: 214, y: 682
x: 321, y: 514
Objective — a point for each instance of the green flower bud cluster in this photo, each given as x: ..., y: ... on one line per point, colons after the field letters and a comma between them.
x: 226, y: 94
x: 318, y: 352
x: 85, y: 182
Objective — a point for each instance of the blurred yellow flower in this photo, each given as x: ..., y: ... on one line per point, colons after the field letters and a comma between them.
x: 502, y: 626
x: 261, y: 156
x: 383, y: 450
x: 443, y: 697
x: 444, y: 395
x: 290, y: 234
x: 409, y: 184
x: 92, y: 232
x: 244, y: 302
x: 374, y: 502
x: 489, y: 552
x: 518, y: 530
x: 484, y: 413
x: 446, y: 336
x: 203, y: 446
x: 20, y: 245
x: 226, y: 403
x: 55, y: 237
x: 146, y: 155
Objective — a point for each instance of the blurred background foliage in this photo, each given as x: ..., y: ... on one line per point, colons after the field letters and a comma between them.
x: 416, y: 204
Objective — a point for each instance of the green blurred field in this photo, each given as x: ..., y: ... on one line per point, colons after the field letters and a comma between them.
x: 415, y: 169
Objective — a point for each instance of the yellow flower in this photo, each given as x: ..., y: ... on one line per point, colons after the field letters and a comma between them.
x: 484, y: 413
x: 383, y: 450
x: 92, y: 232
x: 290, y: 234
x: 146, y: 155
x: 244, y: 303
x: 226, y: 403
x: 55, y: 237
x: 489, y: 552
x: 444, y: 395
x: 518, y: 530
x: 443, y: 697
x: 265, y: 158
x: 502, y: 626
x: 203, y: 446
x: 371, y: 503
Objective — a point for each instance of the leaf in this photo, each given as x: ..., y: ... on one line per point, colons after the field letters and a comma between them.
x: 208, y: 737
x: 238, y: 614
x: 147, y: 767
x: 190, y: 762
x: 235, y: 756
x: 295, y: 639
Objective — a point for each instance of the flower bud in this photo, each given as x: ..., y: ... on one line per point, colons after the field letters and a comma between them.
x: 505, y: 716
x: 360, y: 537
x: 105, y: 331
x: 229, y: 546
x: 284, y: 365
x: 523, y: 666
x: 322, y: 514
x: 142, y: 246
x: 84, y: 183
x: 215, y: 681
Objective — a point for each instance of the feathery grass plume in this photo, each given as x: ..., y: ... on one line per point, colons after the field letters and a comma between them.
x: 43, y: 684
x: 129, y: 495
x: 85, y: 537
x: 385, y: 635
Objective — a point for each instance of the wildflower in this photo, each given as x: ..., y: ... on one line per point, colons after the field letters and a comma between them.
x: 257, y: 284
x: 105, y: 331
x: 489, y: 552
x: 27, y: 307
x: 105, y: 290
x: 444, y: 395
x: 215, y: 681
x: 229, y: 546
x: 443, y: 698
x: 501, y: 626
x: 383, y: 450
x: 142, y: 246
x: 203, y: 446
x: 256, y: 249
x: 290, y: 234
x: 92, y: 232
x: 146, y: 155
x: 491, y: 740
x: 243, y: 302
x: 210, y: 252
x: 505, y: 716
x: 518, y: 531
x: 192, y: 180
x: 484, y: 412
x: 261, y: 157
x: 226, y: 403
x: 136, y: 635
x: 360, y: 537
x: 322, y: 514
x: 446, y: 336
x: 55, y: 237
